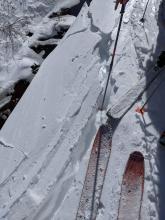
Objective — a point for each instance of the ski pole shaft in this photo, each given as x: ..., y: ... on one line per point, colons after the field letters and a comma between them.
x: 153, y: 79
x: 113, y: 54
x: 151, y: 95
x: 142, y: 19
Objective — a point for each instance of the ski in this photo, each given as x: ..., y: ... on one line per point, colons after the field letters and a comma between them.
x: 95, y: 175
x: 125, y: 102
x: 132, y: 188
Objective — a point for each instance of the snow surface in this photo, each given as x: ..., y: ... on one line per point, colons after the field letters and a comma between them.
x: 46, y: 141
x: 16, y: 48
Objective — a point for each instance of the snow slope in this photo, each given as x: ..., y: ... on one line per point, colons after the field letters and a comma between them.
x: 46, y: 141
x: 29, y: 31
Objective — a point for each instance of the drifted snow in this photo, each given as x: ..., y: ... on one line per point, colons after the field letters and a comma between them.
x: 46, y: 142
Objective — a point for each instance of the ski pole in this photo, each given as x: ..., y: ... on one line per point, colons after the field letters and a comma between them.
x: 113, y: 54
x: 151, y: 95
x: 160, y: 66
x: 142, y: 19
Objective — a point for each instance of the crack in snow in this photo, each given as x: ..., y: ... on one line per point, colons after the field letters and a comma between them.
x: 12, y: 147
x: 5, y: 145
x: 77, y: 32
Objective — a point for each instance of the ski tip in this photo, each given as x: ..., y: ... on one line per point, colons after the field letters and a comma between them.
x: 108, y: 114
x: 110, y: 117
x: 137, y: 156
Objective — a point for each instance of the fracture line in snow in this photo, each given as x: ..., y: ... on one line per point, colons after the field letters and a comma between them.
x: 12, y: 147
x: 10, y: 175
x: 5, y: 145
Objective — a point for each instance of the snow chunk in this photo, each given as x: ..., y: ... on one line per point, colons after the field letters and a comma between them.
x: 101, y: 118
x: 35, y: 196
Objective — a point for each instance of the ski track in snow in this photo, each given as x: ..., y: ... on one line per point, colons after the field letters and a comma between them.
x: 52, y: 142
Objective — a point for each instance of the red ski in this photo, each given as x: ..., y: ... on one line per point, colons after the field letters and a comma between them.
x: 132, y: 188
x: 94, y: 180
